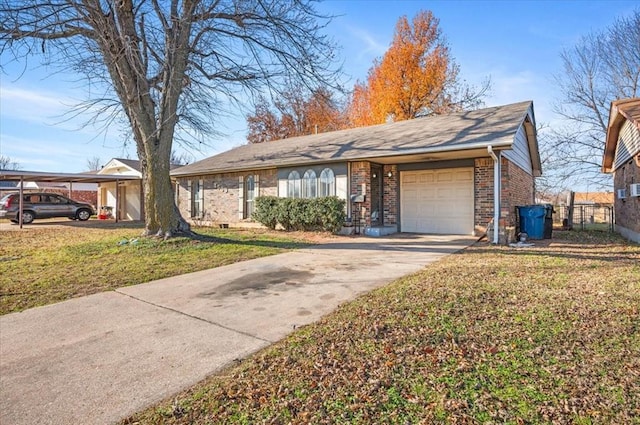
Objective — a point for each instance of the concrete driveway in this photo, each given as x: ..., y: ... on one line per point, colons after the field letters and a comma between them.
x: 101, y: 358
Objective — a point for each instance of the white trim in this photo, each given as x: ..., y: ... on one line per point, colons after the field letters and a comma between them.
x: 496, y: 193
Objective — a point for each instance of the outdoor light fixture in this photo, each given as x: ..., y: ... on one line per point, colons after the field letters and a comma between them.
x: 389, y: 174
x: 375, y: 175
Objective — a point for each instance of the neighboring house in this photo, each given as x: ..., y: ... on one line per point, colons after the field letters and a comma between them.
x: 126, y: 197
x: 7, y: 187
x: 123, y: 198
x: 622, y: 159
x: 83, y: 192
x: 593, y: 198
x: 426, y: 175
x: 593, y: 207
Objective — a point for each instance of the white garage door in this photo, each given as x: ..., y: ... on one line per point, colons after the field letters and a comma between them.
x: 437, y: 201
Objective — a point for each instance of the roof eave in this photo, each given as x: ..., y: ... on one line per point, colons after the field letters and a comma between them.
x: 499, y: 145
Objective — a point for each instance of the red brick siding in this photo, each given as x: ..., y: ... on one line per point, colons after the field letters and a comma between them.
x: 627, y: 211
x: 517, y: 189
x: 221, y: 195
x: 483, y: 193
x: 390, y: 194
x: 87, y: 196
x: 361, y: 174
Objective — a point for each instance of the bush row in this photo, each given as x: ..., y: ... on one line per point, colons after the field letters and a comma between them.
x: 300, y: 214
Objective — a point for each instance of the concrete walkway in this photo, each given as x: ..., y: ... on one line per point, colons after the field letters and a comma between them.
x: 101, y: 358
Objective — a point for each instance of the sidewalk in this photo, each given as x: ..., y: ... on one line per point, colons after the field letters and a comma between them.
x: 101, y: 358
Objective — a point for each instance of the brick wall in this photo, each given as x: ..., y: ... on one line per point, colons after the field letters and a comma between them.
x: 222, y: 195
x: 517, y: 189
x: 391, y: 194
x: 627, y: 211
x: 87, y: 196
x: 361, y: 174
x: 483, y: 193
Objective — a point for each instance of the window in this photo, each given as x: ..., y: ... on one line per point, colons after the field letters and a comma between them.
x: 197, y: 198
x: 293, y: 185
x: 309, y: 184
x: 327, y: 182
x: 249, y: 196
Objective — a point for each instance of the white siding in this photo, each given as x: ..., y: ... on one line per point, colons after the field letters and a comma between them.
x: 341, y: 187
x: 628, y: 144
x: 519, y: 154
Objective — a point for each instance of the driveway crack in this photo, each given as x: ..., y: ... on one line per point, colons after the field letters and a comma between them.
x: 195, y: 317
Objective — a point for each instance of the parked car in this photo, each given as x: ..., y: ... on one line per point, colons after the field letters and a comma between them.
x: 43, y: 205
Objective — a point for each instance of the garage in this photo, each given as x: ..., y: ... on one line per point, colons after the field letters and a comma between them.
x: 437, y: 201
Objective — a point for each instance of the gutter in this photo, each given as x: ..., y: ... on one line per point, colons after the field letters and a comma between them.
x: 296, y: 161
x: 496, y: 193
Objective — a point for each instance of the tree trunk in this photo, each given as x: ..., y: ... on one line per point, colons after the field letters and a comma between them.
x: 162, y: 217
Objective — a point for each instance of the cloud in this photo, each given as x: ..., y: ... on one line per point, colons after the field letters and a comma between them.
x: 34, y: 105
x: 372, y: 47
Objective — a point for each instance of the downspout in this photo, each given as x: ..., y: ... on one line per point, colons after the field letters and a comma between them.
x: 349, y: 206
x: 496, y: 194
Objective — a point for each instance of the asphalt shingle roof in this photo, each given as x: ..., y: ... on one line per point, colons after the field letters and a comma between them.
x: 495, y: 126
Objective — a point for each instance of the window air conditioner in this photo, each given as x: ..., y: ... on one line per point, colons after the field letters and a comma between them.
x: 635, y: 189
x: 622, y: 193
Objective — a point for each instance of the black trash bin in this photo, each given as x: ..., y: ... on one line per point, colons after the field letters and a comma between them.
x: 548, y: 221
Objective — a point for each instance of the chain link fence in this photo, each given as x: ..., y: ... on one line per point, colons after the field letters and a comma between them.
x: 585, y: 217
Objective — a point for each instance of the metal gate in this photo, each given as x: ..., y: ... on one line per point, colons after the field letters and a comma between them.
x: 585, y: 217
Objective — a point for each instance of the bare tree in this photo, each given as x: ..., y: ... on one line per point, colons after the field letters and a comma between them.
x: 94, y: 163
x: 173, y: 65
x: 6, y: 163
x: 601, y: 68
x: 179, y: 158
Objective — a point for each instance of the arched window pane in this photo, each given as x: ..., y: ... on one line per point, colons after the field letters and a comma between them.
x: 309, y: 184
x: 327, y: 182
x: 249, y: 196
x: 293, y: 185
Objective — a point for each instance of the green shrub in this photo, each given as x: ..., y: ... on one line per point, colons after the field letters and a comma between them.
x: 331, y: 213
x: 265, y: 211
x: 286, y: 213
x: 300, y: 214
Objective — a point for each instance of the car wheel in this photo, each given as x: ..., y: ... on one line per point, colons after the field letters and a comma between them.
x: 27, y: 217
x: 83, y: 215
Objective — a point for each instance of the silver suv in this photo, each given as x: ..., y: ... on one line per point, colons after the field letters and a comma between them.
x: 43, y: 205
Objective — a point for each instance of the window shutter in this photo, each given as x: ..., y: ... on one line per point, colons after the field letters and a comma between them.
x: 201, y: 198
x: 190, y: 197
x: 240, y: 197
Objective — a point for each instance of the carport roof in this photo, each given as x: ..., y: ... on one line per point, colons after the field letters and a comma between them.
x: 37, y: 176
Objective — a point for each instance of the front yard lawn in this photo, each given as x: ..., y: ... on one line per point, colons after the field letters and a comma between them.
x: 44, y: 264
x: 549, y: 334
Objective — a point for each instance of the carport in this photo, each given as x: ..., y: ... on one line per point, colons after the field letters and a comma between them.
x: 70, y: 178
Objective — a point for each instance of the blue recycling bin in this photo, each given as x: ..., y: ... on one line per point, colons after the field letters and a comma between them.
x: 532, y: 218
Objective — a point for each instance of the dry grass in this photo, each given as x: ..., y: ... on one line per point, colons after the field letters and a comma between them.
x: 46, y: 263
x: 549, y: 334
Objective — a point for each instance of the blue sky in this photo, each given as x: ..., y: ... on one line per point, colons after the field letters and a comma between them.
x: 515, y: 43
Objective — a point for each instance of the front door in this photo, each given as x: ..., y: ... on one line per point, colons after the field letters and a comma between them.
x: 122, y: 203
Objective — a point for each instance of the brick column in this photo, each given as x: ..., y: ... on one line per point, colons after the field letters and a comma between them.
x: 390, y: 194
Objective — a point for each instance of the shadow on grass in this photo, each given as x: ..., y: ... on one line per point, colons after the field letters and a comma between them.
x: 250, y: 242
x: 582, y: 245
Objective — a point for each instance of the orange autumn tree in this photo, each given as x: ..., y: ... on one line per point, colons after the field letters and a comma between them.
x: 416, y: 76
x: 292, y: 114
